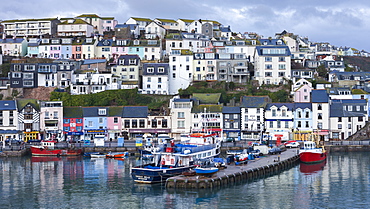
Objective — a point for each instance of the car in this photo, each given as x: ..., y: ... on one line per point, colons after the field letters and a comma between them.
x: 275, y: 150
x: 292, y: 145
x: 230, y: 139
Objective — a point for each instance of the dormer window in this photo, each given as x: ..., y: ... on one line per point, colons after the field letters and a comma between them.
x: 132, y: 62
x: 102, y: 111
x: 161, y: 70
x: 150, y: 69
x: 136, y: 42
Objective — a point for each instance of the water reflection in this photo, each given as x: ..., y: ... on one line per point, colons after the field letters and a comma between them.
x: 51, y: 182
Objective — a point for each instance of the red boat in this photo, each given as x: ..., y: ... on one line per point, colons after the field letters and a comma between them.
x: 310, y: 153
x: 117, y: 154
x: 47, y: 149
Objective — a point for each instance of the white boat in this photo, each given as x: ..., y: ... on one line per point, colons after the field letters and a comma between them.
x: 174, y: 159
x: 98, y: 155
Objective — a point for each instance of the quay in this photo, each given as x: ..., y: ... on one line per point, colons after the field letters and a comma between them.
x: 258, y: 168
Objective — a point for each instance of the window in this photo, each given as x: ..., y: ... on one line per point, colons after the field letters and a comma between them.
x: 281, y: 74
x: 299, y: 114
x: 127, y: 123
x: 268, y: 59
x: 307, y: 114
x: 173, y: 59
x: 271, y: 124
x: 159, y: 80
x: 319, y: 116
x: 282, y: 67
x: 102, y: 111
x: 286, y: 124
x: 161, y: 70
x: 360, y: 119
x: 174, y: 67
x: 115, y: 120
x: 319, y: 107
x: 90, y: 123
x: 180, y: 124
x: 339, y: 119
x: 174, y: 75
x: 268, y: 67
x: 339, y: 126
x: 150, y: 69
x: 349, y: 126
x: 268, y: 74
x: 349, y: 108
x: 149, y: 79
x: 148, y: 86
x: 278, y: 124
x: 180, y: 115
x: 274, y: 113
x: 281, y: 59
x: 101, y: 120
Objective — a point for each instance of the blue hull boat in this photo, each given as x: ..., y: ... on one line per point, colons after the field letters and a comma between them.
x: 205, y: 171
x: 154, y: 174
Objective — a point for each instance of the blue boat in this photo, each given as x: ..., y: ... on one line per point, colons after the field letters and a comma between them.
x: 205, y: 171
x: 174, y: 159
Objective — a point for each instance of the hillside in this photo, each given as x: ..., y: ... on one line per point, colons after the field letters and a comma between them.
x: 363, y: 63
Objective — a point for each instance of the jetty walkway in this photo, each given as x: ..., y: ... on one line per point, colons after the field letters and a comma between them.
x: 260, y: 167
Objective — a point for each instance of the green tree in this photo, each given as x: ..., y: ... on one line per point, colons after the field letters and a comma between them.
x: 322, y: 71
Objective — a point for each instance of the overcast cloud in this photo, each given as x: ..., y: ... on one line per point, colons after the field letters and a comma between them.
x: 339, y: 22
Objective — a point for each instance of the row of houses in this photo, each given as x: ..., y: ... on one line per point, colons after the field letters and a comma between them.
x: 327, y: 115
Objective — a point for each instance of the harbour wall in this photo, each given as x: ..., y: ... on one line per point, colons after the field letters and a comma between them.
x: 264, y: 167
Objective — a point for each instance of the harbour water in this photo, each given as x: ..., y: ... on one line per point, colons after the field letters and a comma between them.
x: 38, y: 182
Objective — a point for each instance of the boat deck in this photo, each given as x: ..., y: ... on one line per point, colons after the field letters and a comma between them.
x: 259, y: 167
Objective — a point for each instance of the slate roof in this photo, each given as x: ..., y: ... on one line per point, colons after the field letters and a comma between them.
x: 302, y: 105
x: 290, y: 106
x: 319, y: 96
x: 254, y: 101
x: 11, y: 40
x: 135, y: 112
x: 72, y: 112
x: 271, y: 41
x: 126, y: 59
x: 337, y: 110
x: 155, y: 66
x: 230, y: 110
x: 260, y: 50
x: 94, y: 61
x: 7, y: 105
x: 93, y: 111
x: 105, y: 42
x: 207, y: 98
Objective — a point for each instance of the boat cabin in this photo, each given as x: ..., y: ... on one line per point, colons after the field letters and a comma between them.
x: 309, y: 145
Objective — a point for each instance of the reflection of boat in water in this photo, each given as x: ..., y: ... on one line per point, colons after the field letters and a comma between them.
x: 311, y: 168
x: 35, y: 159
x: 47, y: 148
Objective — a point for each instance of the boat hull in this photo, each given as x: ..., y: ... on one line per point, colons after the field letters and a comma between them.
x: 151, y: 174
x: 41, y: 151
x: 205, y: 171
x: 312, y: 157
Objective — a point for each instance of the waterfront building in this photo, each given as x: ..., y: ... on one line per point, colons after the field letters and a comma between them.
x: 73, y: 126
x: 29, y: 119
x: 9, y: 120
x: 33, y: 47
x: 203, y: 67
x: 95, y: 120
x: 302, y: 121
x: 252, y: 116
x: 135, y: 122
x: 347, y: 116
x: 279, y: 121
x: 114, y: 122
x: 232, y: 68
x: 181, y: 116
x: 321, y: 113
x: 231, y: 122
x: 47, y: 74
x: 51, y: 120
x: 207, y: 113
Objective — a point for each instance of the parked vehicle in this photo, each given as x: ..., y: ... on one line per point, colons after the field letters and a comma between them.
x: 275, y: 150
x: 292, y: 145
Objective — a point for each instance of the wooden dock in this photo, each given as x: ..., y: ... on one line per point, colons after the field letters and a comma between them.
x: 258, y: 168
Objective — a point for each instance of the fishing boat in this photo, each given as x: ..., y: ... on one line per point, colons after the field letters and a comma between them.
x: 174, y: 159
x: 98, y: 155
x: 310, y: 153
x: 117, y: 154
x: 205, y: 171
x: 47, y: 148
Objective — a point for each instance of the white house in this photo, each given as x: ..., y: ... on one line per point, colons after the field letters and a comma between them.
x: 155, y: 78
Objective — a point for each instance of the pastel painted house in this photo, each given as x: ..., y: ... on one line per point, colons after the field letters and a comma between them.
x: 95, y: 123
x: 114, y: 122
x: 73, y: 126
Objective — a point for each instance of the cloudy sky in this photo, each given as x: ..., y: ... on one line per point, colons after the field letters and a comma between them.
x: 339, y: 22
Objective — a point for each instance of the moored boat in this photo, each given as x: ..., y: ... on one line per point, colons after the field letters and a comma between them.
x: 310, y: 153
x: 205, y: 171
x: 117, y: 154
x: 47, y: 148
x: 175, y: 159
